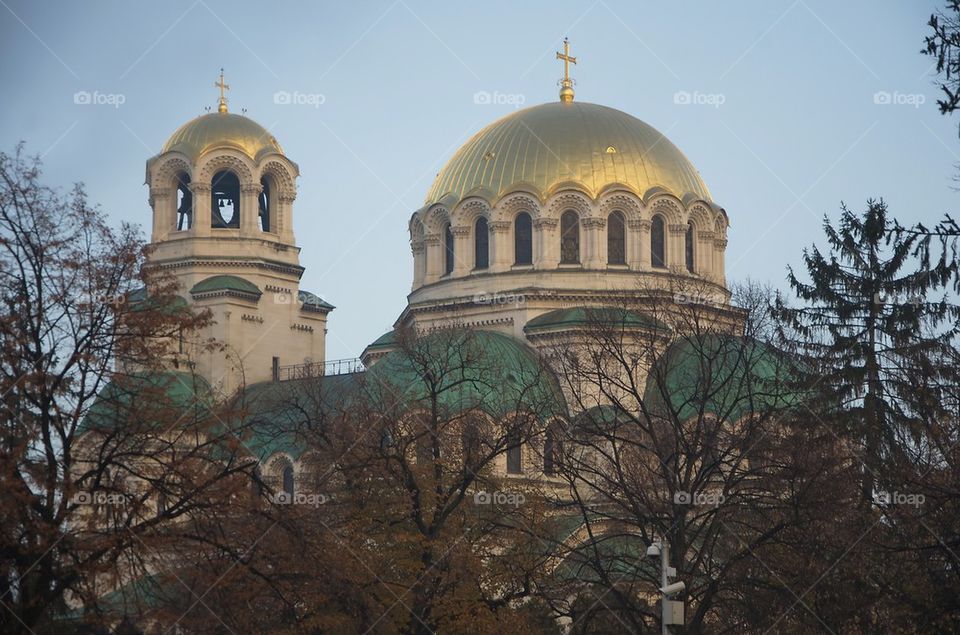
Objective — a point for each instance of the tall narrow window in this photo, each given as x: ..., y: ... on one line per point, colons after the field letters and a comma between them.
x: 184, y: 203
x: 481, y: 244
x: 514, y: 456
x: 616, y: 239
x: 288, y: 485
x: 549, y: 452
x: 569, y: 238
x: 523, y: 239
x: 657, y: 257
x: 225, y: 200
x: 265, y: 202
x: 448, y: 249
x: 688, y: 247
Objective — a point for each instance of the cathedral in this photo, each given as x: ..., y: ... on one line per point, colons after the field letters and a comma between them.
x: 548, y: 223
x: 537, y: 225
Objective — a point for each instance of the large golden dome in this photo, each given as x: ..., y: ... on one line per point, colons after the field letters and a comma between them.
x: 222, y: 130
x: 545, y: 146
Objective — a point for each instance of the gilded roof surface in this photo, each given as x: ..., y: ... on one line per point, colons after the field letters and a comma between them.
x: 555, y: 143
x: 219, y: 130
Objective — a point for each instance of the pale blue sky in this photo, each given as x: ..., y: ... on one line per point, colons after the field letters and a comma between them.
x: 798, y: 130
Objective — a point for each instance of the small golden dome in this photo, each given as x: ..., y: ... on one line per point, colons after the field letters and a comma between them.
x: 558, y: 143
x: 222, y: 130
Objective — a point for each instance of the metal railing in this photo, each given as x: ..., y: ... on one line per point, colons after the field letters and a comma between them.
x: 318, y: 369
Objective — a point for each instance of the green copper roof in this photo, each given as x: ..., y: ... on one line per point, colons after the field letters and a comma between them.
x: 153, y: 396
x: 387, y: 339
x: 726, y: 375
x: 225, y: 283
x: 280, y: 416
x: 472, y: 369
x: 313, y: 301
x: 591, y: 316
x: 140, y: 301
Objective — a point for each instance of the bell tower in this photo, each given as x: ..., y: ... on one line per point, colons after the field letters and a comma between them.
x: 222, y: 194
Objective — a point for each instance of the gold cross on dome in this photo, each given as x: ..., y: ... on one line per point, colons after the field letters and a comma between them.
x: 223, y: 98
x: 567, y: 60
x: 566, y: 90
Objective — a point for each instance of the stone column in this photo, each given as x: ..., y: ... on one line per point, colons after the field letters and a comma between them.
x: 501, y: 245
x: 462, y: 250
x: 419, y: 257
x: 282, y: 224
x: 546, y: 251
x: 638, y: 244
x: 434, y: 267
x: 164, y: 214
x: 594, y: 254
x: 719, y: 253
x: 703, y: 254
x: 676, y: 250
x: 250, y: 209
x: 201, y: 208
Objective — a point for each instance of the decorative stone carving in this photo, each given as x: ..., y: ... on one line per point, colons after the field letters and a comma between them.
x: 225, y: 162
x: 576, y: 201
x: 626, y: 203
x: 460, y: 230
x: 513, y: 204
x: 594, y: 222
x: 545, y: 223
x: 499, y: 226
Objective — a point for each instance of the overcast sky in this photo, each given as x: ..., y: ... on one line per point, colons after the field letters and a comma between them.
x: 784, y: 121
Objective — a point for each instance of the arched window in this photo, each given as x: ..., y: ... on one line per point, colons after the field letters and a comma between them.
x: 447, y: 249
x: 569, y: 238
x: 688, y: 247
x: 265, y: 204
x: 523, y: 239
x: 481, y: 244
x: 616, y: 239
x: 184, y: 202
x: 657, y: 256
x: 514, y: 455
x: 288, y: 485
x: 225, y: 200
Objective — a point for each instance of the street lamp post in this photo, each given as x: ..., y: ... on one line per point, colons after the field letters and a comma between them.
x: 671, y: 611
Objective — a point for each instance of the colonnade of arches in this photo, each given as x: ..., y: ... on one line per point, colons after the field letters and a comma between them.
x: 692, y: 242
x: 222, y: 192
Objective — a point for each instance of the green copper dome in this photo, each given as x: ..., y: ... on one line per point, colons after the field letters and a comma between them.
x: 472, y: 369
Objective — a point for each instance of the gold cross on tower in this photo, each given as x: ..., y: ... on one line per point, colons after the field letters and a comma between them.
x: 566, y: 86
x: 223, y: 98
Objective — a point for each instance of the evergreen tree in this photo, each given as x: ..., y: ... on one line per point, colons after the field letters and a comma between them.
x: 873, y: 336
